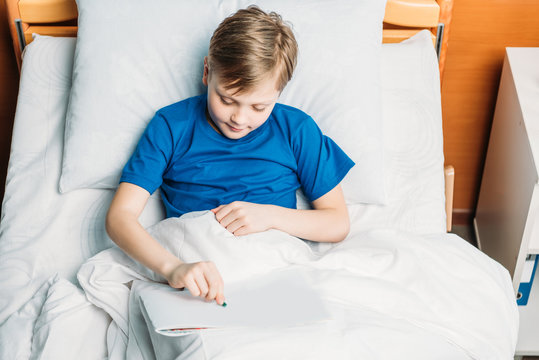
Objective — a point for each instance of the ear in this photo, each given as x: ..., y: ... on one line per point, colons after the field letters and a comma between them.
x: 206, y: 72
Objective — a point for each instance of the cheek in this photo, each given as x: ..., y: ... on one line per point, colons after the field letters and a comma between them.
x: 217, y: 109
x: 259, y: 118
x: 263, y: 116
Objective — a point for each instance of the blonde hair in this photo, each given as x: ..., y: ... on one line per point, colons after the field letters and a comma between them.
x: 251, y: 45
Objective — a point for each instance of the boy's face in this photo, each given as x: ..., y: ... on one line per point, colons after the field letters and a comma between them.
x: 236, y: 115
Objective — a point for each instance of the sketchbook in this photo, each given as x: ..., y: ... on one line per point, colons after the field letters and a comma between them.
x: 279, y: 299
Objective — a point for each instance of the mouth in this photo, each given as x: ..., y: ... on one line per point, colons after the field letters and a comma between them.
x: 234, y: 129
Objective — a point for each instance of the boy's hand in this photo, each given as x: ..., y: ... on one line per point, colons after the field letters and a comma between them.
x: 201, y: 279
x: 242, y: 218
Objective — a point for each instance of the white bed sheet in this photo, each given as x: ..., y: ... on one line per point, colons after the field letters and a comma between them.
x: 44, y: 233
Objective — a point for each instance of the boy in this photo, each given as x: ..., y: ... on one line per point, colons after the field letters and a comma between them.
x: 235, y: 152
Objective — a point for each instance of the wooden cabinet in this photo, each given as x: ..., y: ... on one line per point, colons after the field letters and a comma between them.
x: 507, y: 216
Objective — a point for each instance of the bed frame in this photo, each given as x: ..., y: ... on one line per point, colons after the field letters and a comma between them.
x: 403, y: 19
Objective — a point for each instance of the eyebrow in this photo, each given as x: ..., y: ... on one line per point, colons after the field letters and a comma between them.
x: 223, y: 94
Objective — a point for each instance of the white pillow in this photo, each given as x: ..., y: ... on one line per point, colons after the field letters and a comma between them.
x: 136, y: 56
x: 413, y: 132
x: 413, y: 150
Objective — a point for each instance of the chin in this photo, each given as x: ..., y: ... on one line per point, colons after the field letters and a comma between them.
x: 235, y: 136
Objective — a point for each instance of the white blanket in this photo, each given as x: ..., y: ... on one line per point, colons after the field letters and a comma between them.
x: 58, y: 323
x: 438, y: 285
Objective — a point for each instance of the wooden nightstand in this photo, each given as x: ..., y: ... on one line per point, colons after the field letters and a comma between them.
x: 507, y: 216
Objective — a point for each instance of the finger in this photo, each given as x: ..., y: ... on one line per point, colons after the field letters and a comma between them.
x: 215, y: 210
x: 235, y: 226
x: 217, y: 285
x: 228, y: 219
x: 222, y: 211
x: 214, y: 280
x: 202, y: 285
x: 243, y: 230
x: 176, y: 282
x: 220, y: 297
x: 192, y: 286
x: 213, y: 290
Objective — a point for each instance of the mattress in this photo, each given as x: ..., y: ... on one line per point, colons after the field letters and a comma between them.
x: 45, y: 236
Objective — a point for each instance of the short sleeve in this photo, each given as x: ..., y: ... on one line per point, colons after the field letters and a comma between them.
x: 322, y: 164
x: 148, y: 163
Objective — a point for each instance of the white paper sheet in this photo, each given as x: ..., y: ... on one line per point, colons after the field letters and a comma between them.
x: 278, y: 299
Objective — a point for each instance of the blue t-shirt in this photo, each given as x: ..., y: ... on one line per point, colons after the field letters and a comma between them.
x: 197, y: 168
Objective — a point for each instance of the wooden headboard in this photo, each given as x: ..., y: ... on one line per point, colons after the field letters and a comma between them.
x: 403, y: 18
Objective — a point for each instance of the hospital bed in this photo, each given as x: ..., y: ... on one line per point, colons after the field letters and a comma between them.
x: 399, y: 286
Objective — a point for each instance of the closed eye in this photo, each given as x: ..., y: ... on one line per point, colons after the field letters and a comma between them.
x: 258, y: 109
x: 224, y: 101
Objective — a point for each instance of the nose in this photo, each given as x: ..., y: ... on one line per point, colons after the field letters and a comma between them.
x: 238, y: 117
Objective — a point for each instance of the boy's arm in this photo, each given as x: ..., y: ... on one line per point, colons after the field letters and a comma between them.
x: 202, y: 279
x: 327, y: 222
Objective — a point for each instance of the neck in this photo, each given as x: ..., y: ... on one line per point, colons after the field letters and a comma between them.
x: 210, y: 121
